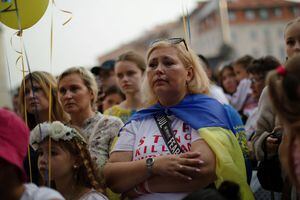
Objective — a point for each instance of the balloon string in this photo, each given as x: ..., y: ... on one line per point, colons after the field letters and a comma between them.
x: 19, y: 33
x: 49, y: 163
x: 64, y: 11
x: 19, y: 52
x: 8, y: 9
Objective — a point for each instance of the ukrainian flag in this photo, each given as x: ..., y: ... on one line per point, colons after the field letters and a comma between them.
x: 220, y: 127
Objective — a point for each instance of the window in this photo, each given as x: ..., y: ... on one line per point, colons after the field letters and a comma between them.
x: 277, y: 12
x: 296, y: 11
x: 250, y: 14
x: 263, y: 14
x: 232, y: 16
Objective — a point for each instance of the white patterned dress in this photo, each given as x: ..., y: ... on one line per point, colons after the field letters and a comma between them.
x: 100, y: 131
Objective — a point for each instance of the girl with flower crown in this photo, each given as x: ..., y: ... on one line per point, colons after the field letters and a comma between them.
x: 68, y: 164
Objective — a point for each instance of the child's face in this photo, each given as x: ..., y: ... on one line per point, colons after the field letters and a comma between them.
x: 257, y: 84
x: 292, y: 39
x: 240, y: 72
x: 111, y: 100
x: 229, y: 81
x: 62, y: 162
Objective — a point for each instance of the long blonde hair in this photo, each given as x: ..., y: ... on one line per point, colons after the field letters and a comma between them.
x: 199, y: 83
x: 45, y: 80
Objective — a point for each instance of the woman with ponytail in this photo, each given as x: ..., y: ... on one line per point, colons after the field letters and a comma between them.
x: 284, y: 91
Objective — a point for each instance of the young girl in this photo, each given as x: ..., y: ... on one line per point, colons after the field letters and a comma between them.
x: 267, y: 120
x: 129, y: 69
x: 112, y: 96
x: 69, y: 164
x: 284, y: 91
x: 227, y: 80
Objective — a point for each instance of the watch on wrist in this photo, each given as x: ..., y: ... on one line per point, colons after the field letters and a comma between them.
x: 149, y: 165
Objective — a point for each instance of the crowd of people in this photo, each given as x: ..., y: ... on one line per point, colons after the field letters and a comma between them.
x: 161, y: 127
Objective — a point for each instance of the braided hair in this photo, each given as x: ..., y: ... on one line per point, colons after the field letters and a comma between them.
x: 85, y: 172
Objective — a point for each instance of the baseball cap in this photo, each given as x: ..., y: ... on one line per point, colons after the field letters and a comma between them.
x: 106, y: 66
x: 14, y: 139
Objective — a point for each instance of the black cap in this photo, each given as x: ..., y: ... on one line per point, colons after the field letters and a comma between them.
x: 106, y: 66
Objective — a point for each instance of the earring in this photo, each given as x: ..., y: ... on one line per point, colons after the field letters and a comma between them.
x: 75, y: 166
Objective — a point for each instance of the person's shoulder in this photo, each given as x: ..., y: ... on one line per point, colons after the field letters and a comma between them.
x: 112, y: 110
x: 113, y: 119
x: 264, y: 94
x: 33, y: 192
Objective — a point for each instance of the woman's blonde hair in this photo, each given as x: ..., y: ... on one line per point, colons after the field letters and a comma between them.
x: 88, y: 80
x: 45, y: 81
x: 199, y: 83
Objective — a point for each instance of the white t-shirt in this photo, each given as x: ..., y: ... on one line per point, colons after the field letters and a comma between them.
x: 93, y: 195
x: 32, y: 192
x: 238, y: 99
x: 217, y: 93
x: 144, y: 139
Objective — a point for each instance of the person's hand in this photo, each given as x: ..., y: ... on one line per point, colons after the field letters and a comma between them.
x: 272, y: 145
x: 178, y: 165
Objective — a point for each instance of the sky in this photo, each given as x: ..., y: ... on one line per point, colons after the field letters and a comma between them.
x: 97, y: 27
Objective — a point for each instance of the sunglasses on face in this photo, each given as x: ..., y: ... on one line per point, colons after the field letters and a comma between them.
x: 171, y: 41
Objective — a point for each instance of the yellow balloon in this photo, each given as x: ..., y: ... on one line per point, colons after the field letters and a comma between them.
x: 30, y: 12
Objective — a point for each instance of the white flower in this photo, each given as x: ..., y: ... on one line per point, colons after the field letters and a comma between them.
x: 58, y: 130
x: 39, y: 133
x: 55, y: 130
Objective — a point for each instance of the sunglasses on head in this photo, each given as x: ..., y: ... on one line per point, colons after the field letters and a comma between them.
x: 171, y: 41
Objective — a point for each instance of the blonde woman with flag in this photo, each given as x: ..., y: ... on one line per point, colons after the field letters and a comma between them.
x: 184, y: 140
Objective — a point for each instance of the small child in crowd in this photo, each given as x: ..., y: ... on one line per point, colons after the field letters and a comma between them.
x: 241, y: 100
x: 68, y: 164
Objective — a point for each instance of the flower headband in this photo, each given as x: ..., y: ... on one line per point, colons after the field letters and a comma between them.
x: 55, y: 130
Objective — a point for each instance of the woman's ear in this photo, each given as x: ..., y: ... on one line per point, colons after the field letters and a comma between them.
x: 190, y: 74
x: 92, y: 95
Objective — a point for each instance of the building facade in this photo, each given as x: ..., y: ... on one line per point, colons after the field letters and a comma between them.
x: 256, y: 27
